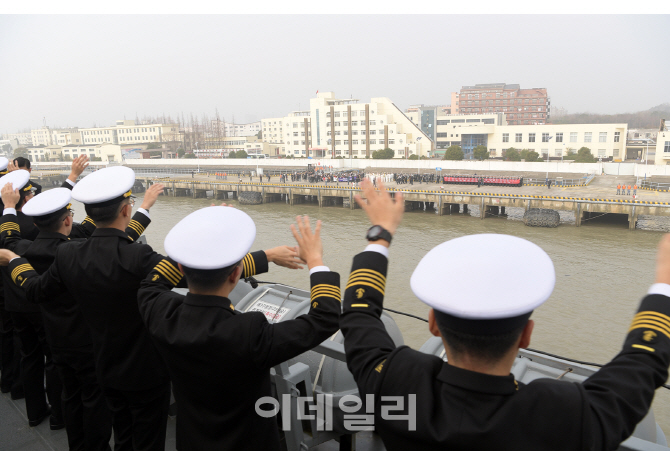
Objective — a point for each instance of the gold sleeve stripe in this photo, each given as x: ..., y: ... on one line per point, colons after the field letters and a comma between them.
x: 654, y: 321
x: 168, y: 276
x: 88, y: 219
x: 359, y: 305
x: 9, y: 226
x: 139, y: 230
x: 137, y: 226
x: 245, y: 267
x: 170, y: 269
x: 653, y: 316
x: 646, y: 348
x: 370, y: 273
x: 20, y: 269
x: 326, y: 290
x: 249, y: 266
x: 354, y: 281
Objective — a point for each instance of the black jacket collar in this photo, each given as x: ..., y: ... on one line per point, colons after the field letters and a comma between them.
x: 478, y: 382
x: 205, y: 300
x: 110, y: 232
x: 51, y: 236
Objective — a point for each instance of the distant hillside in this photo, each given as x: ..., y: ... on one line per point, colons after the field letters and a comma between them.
x: 642, y: 119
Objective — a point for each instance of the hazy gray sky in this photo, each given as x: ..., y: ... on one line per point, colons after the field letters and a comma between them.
x: 81, y: 70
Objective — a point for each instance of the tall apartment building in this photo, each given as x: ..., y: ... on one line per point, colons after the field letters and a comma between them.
x: 46, y: 136
x: 521, y: 106
x: 345, y: 128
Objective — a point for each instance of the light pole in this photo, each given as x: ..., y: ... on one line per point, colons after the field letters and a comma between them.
x: 548, y: 139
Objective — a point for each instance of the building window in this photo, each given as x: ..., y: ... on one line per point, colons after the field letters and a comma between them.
x: 372, y: 122
x: 354, y: 113
x: 373, y: 141
x: 666, y: 148
x: 558, y: 152
x: 338, y: 142
x: 295, y: 133
x: 587, y: 137
x: 518, y: 138
x: 362, y: 141
x: 337, y: 114
x: 337, y: 124
x: 616, y: 152
x: 559, y: 137
x: 602, y: 152
x: 373, y: 132
x: 531, y: 137
x: 391, y: 141
x: 295, y: 143
x: 602, y: 137
x: 505, y: 137
x: 545, y: 137
x: 355, y: 141
x: 617, y: 135
x: 573, y: 137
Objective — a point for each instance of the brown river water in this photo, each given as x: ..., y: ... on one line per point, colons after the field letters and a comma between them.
x: 602, y: 268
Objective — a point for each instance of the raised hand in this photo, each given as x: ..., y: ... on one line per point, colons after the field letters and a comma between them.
x: 10, y: 196
x: 310, y: 248
x: 78, y: 165
x: 381, y: 209
x: 284, y: 256
x: 151, y: 194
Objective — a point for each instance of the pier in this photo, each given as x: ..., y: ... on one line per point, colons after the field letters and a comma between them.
x: 445, y: 202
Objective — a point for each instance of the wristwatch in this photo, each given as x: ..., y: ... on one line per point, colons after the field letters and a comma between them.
x: 377, y: 232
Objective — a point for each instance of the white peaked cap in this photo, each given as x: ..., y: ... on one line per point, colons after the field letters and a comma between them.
x: 4, y: 162
x: 484, y: 277
x: 19, y: 179
x: 211, y: 238
x: 104, y: 185
x: 48, y: 202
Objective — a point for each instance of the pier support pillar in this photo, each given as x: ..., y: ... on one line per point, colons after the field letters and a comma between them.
x: 578, y: 214
x: 174, y: 191
x: 465, y: 209
x: 527, y: 204
x: 502, y: 211
x: 440, y: 206
x: 482, y: 209
x: 632, y: 219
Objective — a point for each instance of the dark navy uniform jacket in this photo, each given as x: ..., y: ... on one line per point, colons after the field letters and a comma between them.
x: 102, y: 275
x: 219, y: 360
x: 457, y: 409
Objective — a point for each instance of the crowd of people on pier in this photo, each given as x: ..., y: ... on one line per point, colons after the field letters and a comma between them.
x: 93, y: 312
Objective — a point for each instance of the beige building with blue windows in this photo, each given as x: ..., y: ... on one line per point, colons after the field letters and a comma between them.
x: 491, y: 130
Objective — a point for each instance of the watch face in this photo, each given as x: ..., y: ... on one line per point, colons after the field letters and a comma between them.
x: 374, y: 231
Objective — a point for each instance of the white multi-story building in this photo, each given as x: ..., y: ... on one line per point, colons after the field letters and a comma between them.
x: 41, y: 136
x: 549, y: 141
x: 108, y: 153
x: 272, y: 130
x: 126, y: 132
x: 230, y: 129
x: 24, y: 139
x: 346, y: 128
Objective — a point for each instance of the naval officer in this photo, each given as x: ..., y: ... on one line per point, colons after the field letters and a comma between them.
x: 472, y: 401
x: 36, y: 360
x: 219, y: 359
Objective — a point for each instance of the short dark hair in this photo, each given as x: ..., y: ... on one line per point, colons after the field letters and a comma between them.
x: 208, y: 279
x: 103, y: 216
x: 22, y: 162
x: 50, y: 223
x: 487, y: 348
